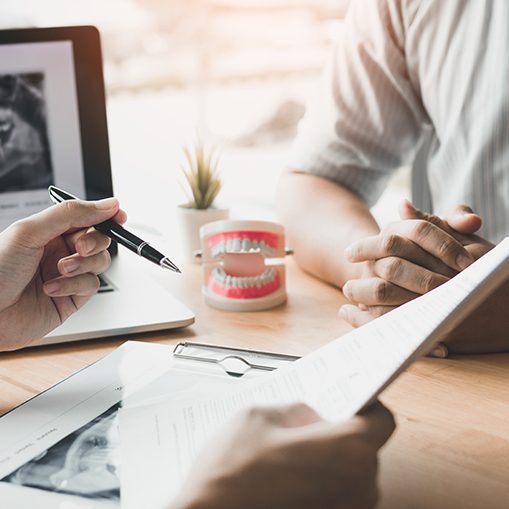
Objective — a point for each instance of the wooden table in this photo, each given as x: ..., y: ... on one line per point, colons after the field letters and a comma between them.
x: 451, y: 449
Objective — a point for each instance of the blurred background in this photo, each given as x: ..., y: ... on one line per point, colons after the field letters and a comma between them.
x: 236, y: 72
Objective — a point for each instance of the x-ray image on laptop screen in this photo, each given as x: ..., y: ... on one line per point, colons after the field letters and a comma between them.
x: 39, y: 127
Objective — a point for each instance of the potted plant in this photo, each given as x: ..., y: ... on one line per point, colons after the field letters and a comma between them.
x: 202, y: 185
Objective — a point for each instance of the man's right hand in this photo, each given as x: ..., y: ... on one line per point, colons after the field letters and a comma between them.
x: 290, y: 458
x: 409, y: 258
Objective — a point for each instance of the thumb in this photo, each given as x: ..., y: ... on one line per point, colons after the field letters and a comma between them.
x: 374, y: 425
x: 287, y: 416
x: 408, y: 211
x: 463, y: 219
x: 37, y: 230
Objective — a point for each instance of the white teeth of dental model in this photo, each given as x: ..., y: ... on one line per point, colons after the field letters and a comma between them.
x: 244, y: 282
x: 238, y: 245
x: 218, y: 248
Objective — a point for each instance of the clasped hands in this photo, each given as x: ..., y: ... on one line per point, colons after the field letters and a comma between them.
x: 409, y: 258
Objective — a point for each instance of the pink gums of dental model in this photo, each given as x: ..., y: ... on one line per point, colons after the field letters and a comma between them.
x: 237, y: 276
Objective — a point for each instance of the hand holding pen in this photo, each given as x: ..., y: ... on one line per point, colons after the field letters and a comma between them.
x: 48, y: 267
x: 118, y: 233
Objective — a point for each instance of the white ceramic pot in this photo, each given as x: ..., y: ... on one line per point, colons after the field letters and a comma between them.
x: 190, y: 220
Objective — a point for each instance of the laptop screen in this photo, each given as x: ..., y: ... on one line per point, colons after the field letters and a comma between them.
x: 39, y: 127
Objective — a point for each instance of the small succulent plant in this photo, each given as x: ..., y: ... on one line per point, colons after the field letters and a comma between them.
x: 200, y: 172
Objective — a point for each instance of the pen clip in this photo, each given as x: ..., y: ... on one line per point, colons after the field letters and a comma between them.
x: 58, y: 195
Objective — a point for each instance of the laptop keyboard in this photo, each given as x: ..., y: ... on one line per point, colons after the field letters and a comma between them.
x: 105, y: 285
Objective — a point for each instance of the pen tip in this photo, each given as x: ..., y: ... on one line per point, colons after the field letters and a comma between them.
x: 166, y: 263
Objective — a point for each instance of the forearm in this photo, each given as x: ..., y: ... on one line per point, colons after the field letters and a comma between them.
x: 321, y: 220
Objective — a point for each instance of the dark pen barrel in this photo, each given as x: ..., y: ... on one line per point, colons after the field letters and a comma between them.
x: 120, y: 234
x: 152, y: 254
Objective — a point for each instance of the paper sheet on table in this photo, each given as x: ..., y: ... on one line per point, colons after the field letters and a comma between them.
x: 61, y: 448
x: 160, y: 442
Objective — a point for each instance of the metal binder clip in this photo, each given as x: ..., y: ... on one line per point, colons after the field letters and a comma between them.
x: 236, y: 362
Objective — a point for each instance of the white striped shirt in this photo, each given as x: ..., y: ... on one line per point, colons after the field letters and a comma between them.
x: 420, y: 82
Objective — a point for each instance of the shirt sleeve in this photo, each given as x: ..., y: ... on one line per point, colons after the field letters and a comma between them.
x: 366, y: 118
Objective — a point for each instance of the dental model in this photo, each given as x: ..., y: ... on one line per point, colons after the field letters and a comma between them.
x: 243, y: 265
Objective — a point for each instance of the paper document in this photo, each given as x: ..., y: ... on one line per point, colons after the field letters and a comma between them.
x: 160, y: 442
x: 61, y: 448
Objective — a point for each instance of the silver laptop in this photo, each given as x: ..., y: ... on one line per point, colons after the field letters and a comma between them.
x: 53, y: 131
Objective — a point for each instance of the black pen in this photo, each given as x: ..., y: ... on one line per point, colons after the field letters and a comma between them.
x: 118, y: 233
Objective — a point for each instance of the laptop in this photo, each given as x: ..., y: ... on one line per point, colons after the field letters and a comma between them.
x: 53, y: 131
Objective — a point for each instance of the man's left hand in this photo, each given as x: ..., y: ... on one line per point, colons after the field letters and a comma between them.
x: 399, y: 267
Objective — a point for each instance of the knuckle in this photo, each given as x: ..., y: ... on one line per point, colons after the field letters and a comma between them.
x: 421, y: 228
x: 391, y: 243
x: 70, y: 206
x: 93, y: 283
x: 447, y: 249
x: 390, y: 268
x: 427, y: 282
x: 381, y: 290
x: 106, y: 259
x: 377, y: 311
x: 107, y: 242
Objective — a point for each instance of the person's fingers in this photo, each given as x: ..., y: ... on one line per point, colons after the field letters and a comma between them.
x: 393, y: 245
x: 74, y: 265
x: 376, y: 311
x: 357, y: 317
x: 407, y: 210
x: 293, y: 415
x: 354, y: 316
x: 376, y: 423
x: 408, y: 275
x: 37, y: 230
x: 120, y: 217
x: 92, y: 243
x: 435, y: 241
x: 373, y: 425
x: 74, y: 244
x: 83, y: 285
x: 376, y: 291
x: 440, y: 351
x: 463, y: 219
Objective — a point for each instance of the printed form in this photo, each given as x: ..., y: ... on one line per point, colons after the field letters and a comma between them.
x: 160, y: 442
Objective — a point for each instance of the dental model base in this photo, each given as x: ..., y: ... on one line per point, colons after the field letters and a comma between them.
x: 243, y: 265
